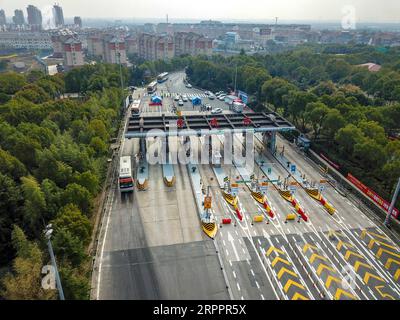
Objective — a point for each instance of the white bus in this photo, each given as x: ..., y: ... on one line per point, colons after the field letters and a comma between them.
x: 125, y: 174
x: 162, y: 77
x: 152, y: 87
x: 135, y: 107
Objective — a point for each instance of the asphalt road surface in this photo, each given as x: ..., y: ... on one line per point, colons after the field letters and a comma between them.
x: 154, y: 247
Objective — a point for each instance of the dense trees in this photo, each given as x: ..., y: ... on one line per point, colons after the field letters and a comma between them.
x: 52, y: 161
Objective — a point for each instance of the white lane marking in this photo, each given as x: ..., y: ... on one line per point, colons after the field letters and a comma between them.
x: 238, y: 286
x: 230, y: 263
x: 234, y: 274
x: 258, y: 286
x: 231, y: 240
x: 102, y: 247
x: 262, y: 297
x: 252, y: 272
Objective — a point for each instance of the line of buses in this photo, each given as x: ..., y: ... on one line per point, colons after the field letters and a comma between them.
x: 125, y: 166
x: 152, y: 87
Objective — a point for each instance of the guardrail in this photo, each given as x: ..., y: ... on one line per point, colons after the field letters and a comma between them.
x: 355, y: 193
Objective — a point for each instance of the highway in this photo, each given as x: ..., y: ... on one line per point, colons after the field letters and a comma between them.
x: 153, y: 246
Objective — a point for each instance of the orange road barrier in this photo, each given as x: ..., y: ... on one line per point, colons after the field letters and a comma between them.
x: 268, y: 209
x: 299, y: 210
x: 238, y: 213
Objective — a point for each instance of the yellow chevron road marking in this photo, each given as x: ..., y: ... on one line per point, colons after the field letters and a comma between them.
x: 350, y: 253
x: 292, y: 283
x: 381, y: 250
x: 330, y: 279
x: 397, y: 275
x: 343, y: 243
x: 341, y: 292
x: 365, y: 232
x: 273, y: 249
x: 385, y: 295
x: 308, y: 246
x: 368, y: 275
x: 389, y: 262
x: 314, y: 256
x: 283, y: 271
x: 279, y: 259
x: 373, y: 241
x: 322, y: 267
x: 359, y: 263
x: 298, y: 296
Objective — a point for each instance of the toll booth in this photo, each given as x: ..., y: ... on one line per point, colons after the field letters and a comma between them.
x: 303, y: 142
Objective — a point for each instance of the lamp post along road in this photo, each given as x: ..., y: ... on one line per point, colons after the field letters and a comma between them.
x: 48, y: 233
x: 396, y: 193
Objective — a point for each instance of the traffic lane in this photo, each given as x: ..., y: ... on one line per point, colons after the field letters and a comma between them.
x: 244, y: 273
x: 316, y: 213
x: 345, y: 208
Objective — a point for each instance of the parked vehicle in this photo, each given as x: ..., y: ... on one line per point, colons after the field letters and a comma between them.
x: 216, y: 111
x: 176, y: 98
x: 211, y: 97
x: 180, y: 102
x: 185, y: 98
x: 188, y: 85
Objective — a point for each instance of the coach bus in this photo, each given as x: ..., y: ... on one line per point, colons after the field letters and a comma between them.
x: 125, y: 175
x: 135, y: 107
x: 162, y: 77
x: 152, y: 87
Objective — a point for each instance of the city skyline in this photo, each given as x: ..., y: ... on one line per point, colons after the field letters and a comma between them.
x: 359, y: 10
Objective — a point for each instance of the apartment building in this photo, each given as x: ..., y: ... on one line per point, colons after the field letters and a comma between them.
x: 154, y: 47
x: 115, y: 51
x: 73, y: 53
x: 107, y: 47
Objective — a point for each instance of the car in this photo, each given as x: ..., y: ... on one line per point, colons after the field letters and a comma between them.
x: 207, y: 93
x: 188, y: 85
x: 176, y: 98
x: 222, y: 98
x: 211, y: 97
x: 216, y: 111
x: 180, y: 102
x: 185, y: 98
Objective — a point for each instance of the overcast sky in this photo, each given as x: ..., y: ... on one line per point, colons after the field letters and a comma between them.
x: 365, y: 10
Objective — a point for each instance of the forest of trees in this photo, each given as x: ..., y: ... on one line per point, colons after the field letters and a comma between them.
x: 53, y: 157
x: 347, y: 111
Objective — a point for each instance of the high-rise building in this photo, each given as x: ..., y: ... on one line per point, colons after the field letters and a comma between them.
x: 78, y: 22
x: 34, y: 17
x: 2, y: 17
x: 58, y: 15
x: 18, y: 18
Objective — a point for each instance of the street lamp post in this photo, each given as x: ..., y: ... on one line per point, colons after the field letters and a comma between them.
x: 48, y: 232
x: 389, y: 214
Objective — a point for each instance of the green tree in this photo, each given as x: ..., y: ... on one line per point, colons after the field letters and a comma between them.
x: 24, y: 283
x: 78, y: 195
x: 34, y: 204
x: 316, y: 113
x: 347, y: 138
